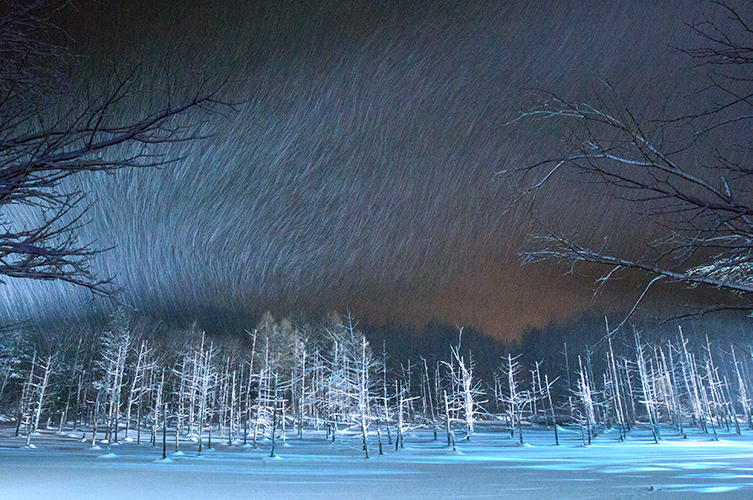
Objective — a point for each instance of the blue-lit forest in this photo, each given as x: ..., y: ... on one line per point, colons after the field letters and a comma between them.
x: 286, y: 379
x: 306, y: 392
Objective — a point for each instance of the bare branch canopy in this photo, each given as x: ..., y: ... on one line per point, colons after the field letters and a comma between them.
x: 697, y: 193
x: 49, y: 133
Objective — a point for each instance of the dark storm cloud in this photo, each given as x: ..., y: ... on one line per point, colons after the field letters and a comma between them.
x: 358, y: 170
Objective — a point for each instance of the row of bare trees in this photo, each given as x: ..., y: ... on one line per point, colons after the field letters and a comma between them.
x: 281, y: 377
x: 664, y: 385
x: 286, y: 379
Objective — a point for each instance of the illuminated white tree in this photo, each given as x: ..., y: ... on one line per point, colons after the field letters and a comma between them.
x: 466, y: 391
x: 352, y: 369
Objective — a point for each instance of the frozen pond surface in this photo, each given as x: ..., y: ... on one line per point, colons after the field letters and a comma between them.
x: 491, y: 465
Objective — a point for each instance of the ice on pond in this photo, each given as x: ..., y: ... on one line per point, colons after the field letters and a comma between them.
x: 487, y: 466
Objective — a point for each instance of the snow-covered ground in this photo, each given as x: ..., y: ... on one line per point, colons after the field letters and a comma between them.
x: 490, y: 465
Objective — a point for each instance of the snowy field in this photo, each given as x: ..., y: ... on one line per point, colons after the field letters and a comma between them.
x: 490, y: 465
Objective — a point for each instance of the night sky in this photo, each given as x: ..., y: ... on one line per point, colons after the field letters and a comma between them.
x: 357, y: 170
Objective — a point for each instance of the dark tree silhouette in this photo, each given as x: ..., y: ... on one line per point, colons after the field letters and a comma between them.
x: 50, y: 132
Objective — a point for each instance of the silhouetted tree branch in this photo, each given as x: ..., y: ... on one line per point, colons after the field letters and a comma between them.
x: 49, y: 134
x: 702, y: 203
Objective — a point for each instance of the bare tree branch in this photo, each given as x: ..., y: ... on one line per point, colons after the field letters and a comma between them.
x: 48, y: 135
x: 704, y: 211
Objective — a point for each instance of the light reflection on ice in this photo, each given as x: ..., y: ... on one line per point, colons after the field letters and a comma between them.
x: 701, y: 488
x: 627, y: 470
x: 718, y: 475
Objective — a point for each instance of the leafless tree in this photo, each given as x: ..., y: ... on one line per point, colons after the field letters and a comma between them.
x: 137, y: 385
x: 688, y: 177
x: 466, y: 389
x: 49, y: 134
x: 586, y: 405
x: 650, y: 399
x: 35, y: 394
x: 352, y: 370
x: 206, y: 386
x: 114, y: 350
x: 516, y: 400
